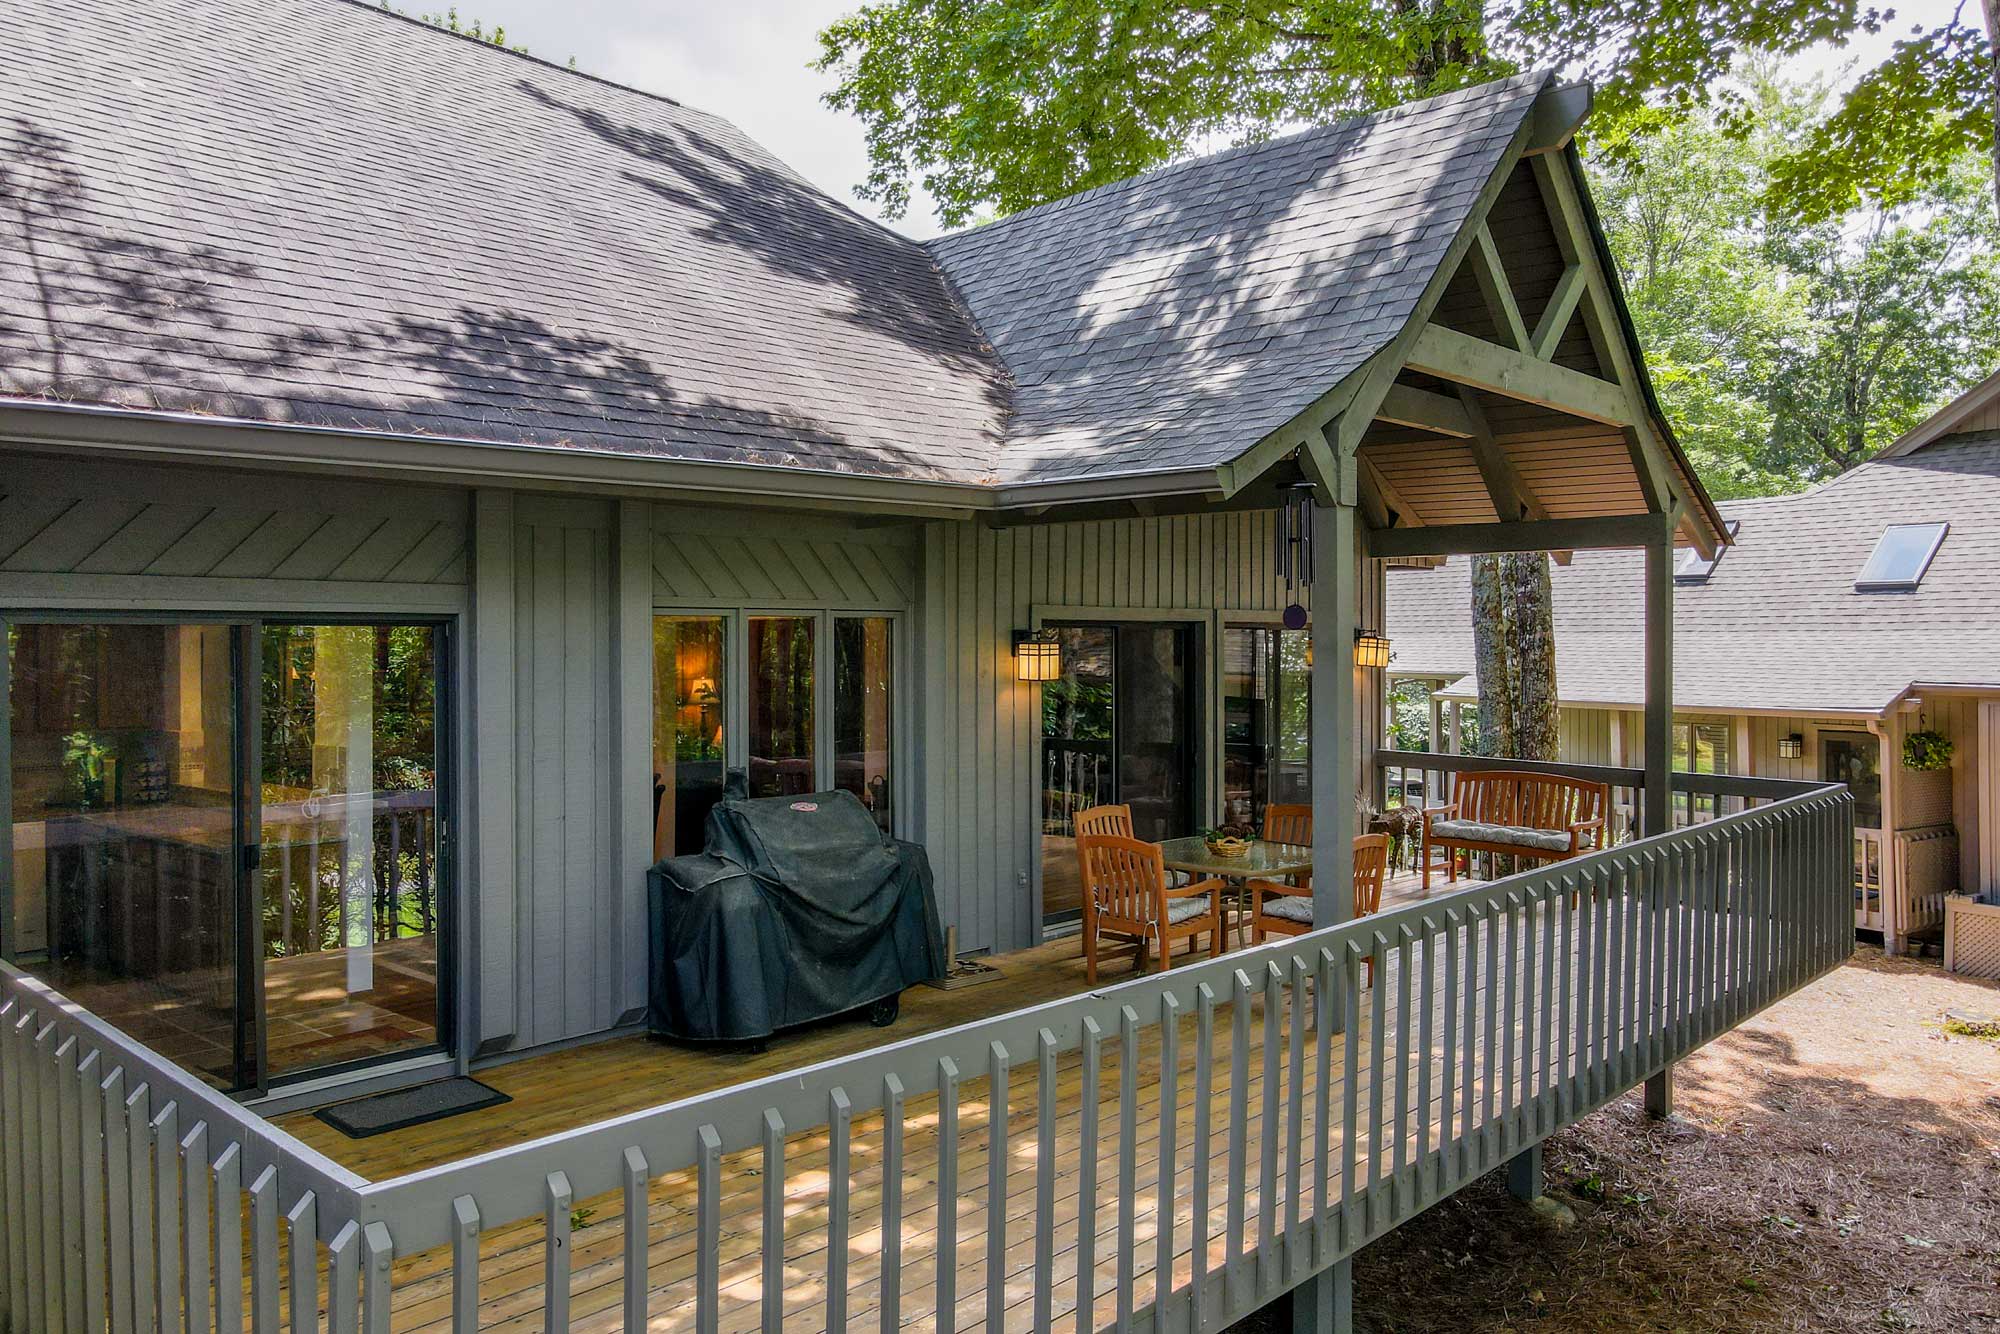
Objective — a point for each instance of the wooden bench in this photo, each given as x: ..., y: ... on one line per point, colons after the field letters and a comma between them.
x: 1546, y: 817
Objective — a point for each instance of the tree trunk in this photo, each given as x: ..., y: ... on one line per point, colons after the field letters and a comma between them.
x: 1514, y: 652
x: 1532, y: 621
x: 1992, y: 11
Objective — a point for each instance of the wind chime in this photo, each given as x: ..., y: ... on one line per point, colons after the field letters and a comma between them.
x: 1295, y: 537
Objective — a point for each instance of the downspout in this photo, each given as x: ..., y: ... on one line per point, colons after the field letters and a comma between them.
x: 1893, y: 916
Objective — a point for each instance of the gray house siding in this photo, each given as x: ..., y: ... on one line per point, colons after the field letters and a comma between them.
x: 981, y: 727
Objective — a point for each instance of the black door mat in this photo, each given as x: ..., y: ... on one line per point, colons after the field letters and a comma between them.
x: 383, y: 1112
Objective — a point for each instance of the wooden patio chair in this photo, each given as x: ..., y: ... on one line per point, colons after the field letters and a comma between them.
x: 1288, y: 824
x: 1113, y: 820
x: 1287, y: 910
x: 1125, y: 893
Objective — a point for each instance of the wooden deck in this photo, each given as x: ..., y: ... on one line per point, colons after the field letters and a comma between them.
x: 563, y: 1090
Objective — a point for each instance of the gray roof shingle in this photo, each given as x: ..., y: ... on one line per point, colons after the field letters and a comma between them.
x: 311, y: 212
x: 1779, y: 624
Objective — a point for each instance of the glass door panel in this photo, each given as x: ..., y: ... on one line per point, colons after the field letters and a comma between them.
x: 1155, y: 732
x: 348, y: 877
x: 783, y: 746
x: 863, y: 710
x: 126, y: 827
x: 690, y: 681
x: 1266, y: 721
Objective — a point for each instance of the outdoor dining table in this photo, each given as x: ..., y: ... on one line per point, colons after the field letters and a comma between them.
x: 1263, y: 861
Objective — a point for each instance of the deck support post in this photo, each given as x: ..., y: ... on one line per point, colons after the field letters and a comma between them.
x: 1524, y: 1174
x: 1660, y: 1095
x: 1324, y: 1303
x: 1659, y: 752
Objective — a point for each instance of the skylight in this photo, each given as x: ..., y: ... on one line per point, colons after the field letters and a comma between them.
x: 1694, y: 568
x: 1901, y: 556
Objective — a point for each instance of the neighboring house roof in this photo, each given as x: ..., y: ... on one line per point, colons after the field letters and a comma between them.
x: 1180, y: 316
x: 311, y: 212
x: 1778, y: 625
x: 1977, y: 409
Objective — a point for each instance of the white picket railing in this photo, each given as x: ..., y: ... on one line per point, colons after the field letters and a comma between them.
x: 1174, y: 1151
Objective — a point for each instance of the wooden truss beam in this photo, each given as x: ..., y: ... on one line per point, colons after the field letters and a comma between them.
x: 1491, y: 275
x: 1420, y: 408
x: 1463, y: 359
x: 1474, y: 539
x: 1556, y: 315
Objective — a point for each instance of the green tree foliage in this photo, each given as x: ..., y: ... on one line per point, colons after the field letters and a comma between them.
x: 1009, y: 103
x: 1787, y: 353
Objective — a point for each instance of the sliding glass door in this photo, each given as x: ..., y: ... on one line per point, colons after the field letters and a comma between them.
x: 347, y: 877
x: 225, y: 837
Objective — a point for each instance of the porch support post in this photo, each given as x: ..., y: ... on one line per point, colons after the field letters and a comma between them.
x: 1659, y: 753
x: 1660, y: 1095
x: 1324, y: 1303
x: 1335, y: 580
x: 1524, y: 1173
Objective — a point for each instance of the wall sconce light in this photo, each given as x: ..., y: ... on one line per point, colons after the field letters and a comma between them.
x: 1370, y: 649
x: 1037, y: 655
x: 1791, y: 746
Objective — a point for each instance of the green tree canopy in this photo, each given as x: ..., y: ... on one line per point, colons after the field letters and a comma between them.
x: 1010, y: 103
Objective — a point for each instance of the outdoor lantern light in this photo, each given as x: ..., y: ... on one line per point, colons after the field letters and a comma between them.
x: 1791, y: 746
x: 1037, y: 656
x: 1370, y: 649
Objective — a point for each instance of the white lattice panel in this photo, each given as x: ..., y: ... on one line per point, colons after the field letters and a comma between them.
x: 1972, y: 937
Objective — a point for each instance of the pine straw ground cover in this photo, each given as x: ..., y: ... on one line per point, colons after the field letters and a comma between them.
x: 1835, y: 1165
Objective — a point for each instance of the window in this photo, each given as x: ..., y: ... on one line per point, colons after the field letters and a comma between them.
x: 783, y: 749
x: 1694, y: 568
x: 1901, y: 556
x: 863, y: 710
x: 1699, y: 748
x: 690, y: 682
x: 1266, y: 720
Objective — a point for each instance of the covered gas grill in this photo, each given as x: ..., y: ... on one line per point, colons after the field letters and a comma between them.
x: 798, y: 909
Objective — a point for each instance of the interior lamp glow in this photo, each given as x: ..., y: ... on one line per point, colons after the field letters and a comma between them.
x: 1037, y: 657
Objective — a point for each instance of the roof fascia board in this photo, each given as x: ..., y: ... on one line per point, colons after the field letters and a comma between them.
x: 1940, y: 423
x: 1559, y: 113
x: 114, y: 431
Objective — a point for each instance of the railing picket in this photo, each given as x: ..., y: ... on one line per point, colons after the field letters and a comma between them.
x: 264, y: 1252
x: 707, y: 1232
x: 137, y: 1220
x: 226, y: 1177
x: 892, y: 1203
x: 1203, y: 1144
x: 1045, y: 1179
x: 1270, y: 1058
x: 167, y: 1215
x: 1378, y: 1037
x: 69, y: 1149
x: 1630, y: 925
x: 1169, y: 1171
x: 343, y: 1281
x: 1512, y: 1030
x: 1451, y: 1129
x: 1489, y: 1004
x: 378, y: 1255
x: 302, y: 1259
x: 91, y: 1164
x: 465, y: 1230
x: 1128, y: 1158
x: 1323, y: 1022
x: 1350, y: 1010
x: 1086, y: 1175
x: 13, y: 1136
x: 1401, y: 1195
x: 947, y: 1207
x: 839, y: 1186
x: 1239, y: 1078
x: 1426, y: 1175
x: 194, y: 1226
x: 638, y: 1218
x: 996, y: 1185
x: 1557, y: 889
x: 1295, y: 1073
x: 557, y: 1199
x: 117, y: 1239
x: 773, y: 1229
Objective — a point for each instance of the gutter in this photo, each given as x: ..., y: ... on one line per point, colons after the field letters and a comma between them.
x: 473, y: 461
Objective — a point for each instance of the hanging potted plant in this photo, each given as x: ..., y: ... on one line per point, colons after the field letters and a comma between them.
x: 1927, y: 751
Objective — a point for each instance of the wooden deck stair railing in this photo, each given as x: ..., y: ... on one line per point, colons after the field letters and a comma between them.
x: 1173, y: 1151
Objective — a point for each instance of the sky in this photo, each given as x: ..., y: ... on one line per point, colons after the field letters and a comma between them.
x: 747, y: 60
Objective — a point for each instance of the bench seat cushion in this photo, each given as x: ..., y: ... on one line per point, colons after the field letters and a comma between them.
x: 1514, y: 836
x: 1290, y: 908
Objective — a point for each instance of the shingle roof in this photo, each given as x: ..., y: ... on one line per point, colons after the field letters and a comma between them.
x: 309, y: 211
x: 1778, y: 624
x: 1187, y: 312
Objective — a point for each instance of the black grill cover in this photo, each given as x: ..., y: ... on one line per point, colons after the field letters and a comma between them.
x: 799, y: 909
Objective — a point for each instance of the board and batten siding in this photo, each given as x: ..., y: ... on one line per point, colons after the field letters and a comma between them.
x: 980, y: 728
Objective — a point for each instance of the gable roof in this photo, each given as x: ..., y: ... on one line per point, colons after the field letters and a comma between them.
x: 1176, y: 318
x: 314, y: 213
x: 1778, y: 625
x: 1977, y: 409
